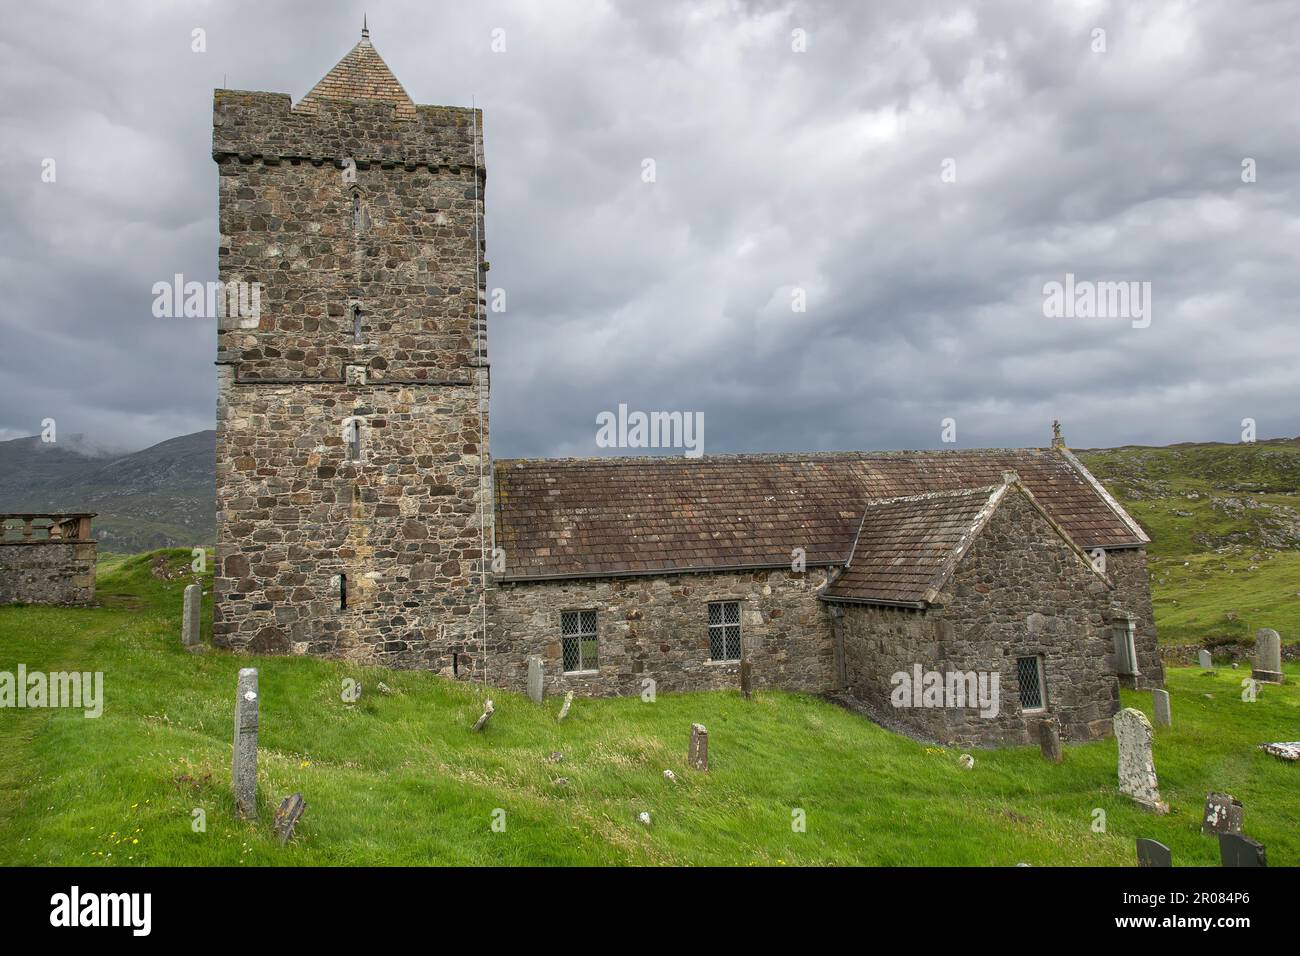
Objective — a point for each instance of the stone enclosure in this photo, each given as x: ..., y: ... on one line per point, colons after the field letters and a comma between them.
x: 47, y: 559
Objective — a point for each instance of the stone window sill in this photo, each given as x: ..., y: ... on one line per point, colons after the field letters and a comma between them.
x: 712, y: 663
x: 581, y: 673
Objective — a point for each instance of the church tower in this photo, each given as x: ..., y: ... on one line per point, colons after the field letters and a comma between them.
x: 353, y: 476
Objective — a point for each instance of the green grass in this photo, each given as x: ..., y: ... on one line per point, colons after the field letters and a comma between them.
x: 402, y: 780
x: 1225, y: 527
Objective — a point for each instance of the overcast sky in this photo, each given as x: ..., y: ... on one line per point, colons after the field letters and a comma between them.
x: 776, y: 170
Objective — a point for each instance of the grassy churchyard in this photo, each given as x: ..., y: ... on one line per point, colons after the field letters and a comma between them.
x: 401, y: 779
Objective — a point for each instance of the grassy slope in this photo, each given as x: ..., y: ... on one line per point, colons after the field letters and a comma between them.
x: 401, y: 779
x: 1225, y: 528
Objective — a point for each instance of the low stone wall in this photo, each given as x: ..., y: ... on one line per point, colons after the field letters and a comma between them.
x: 656, y: 627
x: 1187, y: 654
x: 46, y: 572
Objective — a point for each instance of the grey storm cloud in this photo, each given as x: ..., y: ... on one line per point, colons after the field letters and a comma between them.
x: 778, y: 173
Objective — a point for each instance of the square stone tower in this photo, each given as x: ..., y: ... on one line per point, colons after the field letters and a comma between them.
x: 353, y: 477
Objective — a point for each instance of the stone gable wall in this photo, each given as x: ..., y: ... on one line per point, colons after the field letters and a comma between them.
x: 1020, y: 591
x: 656, y: 626
x: 45, y: 573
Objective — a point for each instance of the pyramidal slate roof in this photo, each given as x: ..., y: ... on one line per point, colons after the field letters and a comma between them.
x: 361, y: 76
x: 578, y: 518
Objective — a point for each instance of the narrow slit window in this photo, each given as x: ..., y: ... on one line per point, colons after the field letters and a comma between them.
x: 356, y: 211
x: 358, y: 337
x: 352, y: 438
x: 1033, y: 688
x: 343, y: 591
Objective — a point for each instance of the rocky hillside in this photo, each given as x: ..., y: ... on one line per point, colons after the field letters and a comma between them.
x: 159, y: 497
x: 1225, y: 524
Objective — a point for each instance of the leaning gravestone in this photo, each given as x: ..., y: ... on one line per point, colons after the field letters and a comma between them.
x: 536, y: 687
x: 1049, y: 739
x: 1238, y: 850
x: 1160, y: 705
x: 1137, y: 770
x: 191, y: 616
x: 286, y: 817
x: 244, y: 769
x: 697, y: 757
x: 1268, y: 656
x: 1207, y: 662
x: 1223, y: 813
x: 1153, y: 853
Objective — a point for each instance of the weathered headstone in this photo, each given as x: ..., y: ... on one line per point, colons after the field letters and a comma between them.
x: 191, y: 616
x: 1160, y: 705
x: 564, y: 708
x: 1223, y: 813
x: 697, y: 757
x: 486, y: 715
x: 1283, y: 749
x: 1049, y: 739
x: 1268, y: 657
x: 1153, y: 853
x: 1235, y: 849
x: 1207, y: 662
x: 746, y: 679
x: 244, y: 767
x: 536, y: 685
x: 1137, y: 770
x: 286, y: 817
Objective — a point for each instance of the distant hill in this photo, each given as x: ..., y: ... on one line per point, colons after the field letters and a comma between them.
x: 160, y: 497
x: 1225, y: 527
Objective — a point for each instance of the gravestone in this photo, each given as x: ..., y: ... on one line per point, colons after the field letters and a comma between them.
x: 1223, y: 813
x: 697, y: 757
x: 536, y: 686
x: 564, y: 708
x: 1049, y: 739
x: 1283, y: 749
x: 244, y: 768
x: 286, y: 817
x: 191, y: 616
x: 1153, y: 853
x: 1137, y: 770
x: 1160, y: 705
x: 1207, y: 662
x: 1236, y: 849
x: 488, y: 711
x: 746, y: 679
x: 1268, y: 657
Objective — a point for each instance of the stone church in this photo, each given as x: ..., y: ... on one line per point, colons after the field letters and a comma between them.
x: 361, y: 516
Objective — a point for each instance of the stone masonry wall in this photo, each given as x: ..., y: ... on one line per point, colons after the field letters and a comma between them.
x: 47, y: 573
x: 1019, y: 591
x: 398, y: 530
x: 656, y: 626
x: 1127, y: 567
